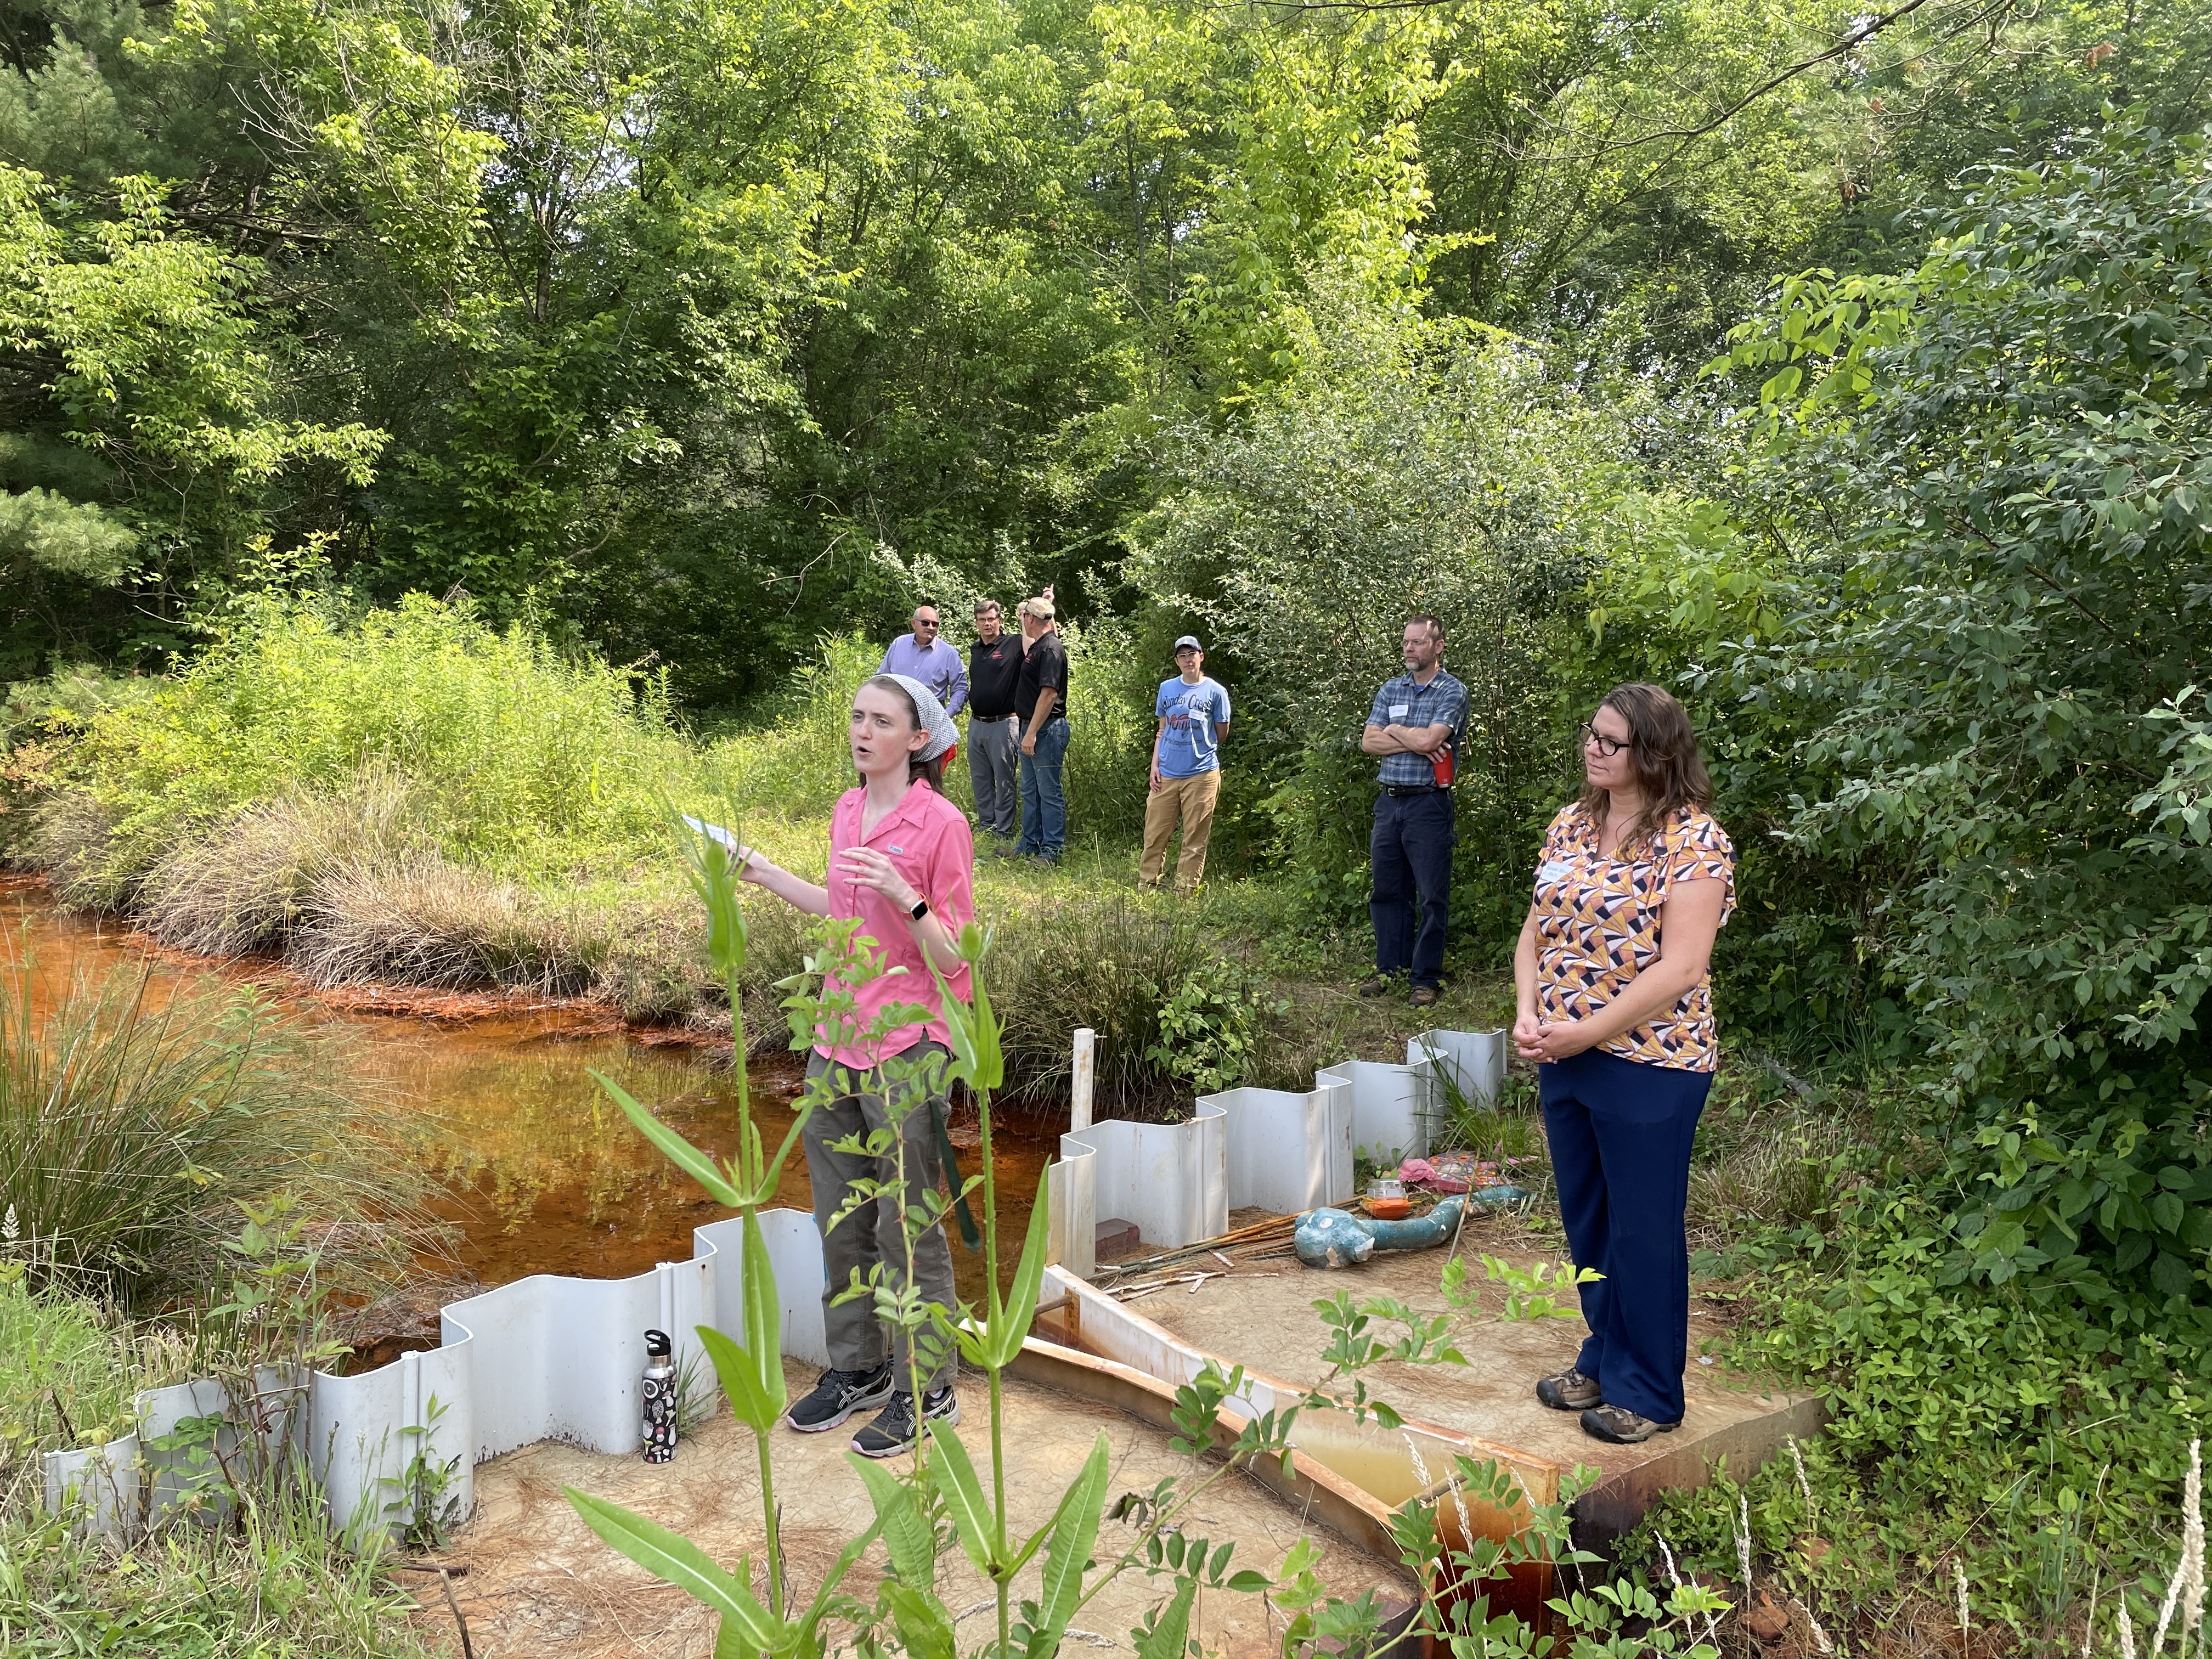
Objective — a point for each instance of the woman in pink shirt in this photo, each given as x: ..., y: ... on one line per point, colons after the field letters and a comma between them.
x: 900, y: 862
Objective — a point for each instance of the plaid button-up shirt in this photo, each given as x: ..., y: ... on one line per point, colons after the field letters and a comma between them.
x: 1405, y: 702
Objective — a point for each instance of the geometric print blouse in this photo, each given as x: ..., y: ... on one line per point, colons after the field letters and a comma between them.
x: 1598, y: 923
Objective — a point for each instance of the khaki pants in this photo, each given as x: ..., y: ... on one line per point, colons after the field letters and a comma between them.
x: 1191, y: 801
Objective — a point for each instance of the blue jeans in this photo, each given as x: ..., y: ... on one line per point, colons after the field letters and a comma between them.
x: 1411, y: 852
x: 1044, y: 808
x: 1620, y: 1133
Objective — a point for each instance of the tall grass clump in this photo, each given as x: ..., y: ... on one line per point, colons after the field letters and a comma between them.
x: 518, y: 757
x: 131, y: 1129
x: 1109, y: 964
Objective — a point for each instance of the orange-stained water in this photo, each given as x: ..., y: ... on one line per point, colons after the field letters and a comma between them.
x: 542, y: 1172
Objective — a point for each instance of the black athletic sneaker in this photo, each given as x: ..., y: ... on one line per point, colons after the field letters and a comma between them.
x: 837, y: 1396
x: 895, y: 1430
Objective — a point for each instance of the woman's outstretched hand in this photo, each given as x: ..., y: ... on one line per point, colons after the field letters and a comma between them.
x: 867, y: 867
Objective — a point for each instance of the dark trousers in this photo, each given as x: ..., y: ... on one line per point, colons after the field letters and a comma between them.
x: 858, y: 1341
x: 1620, y: 1134
x: 1411, y: 852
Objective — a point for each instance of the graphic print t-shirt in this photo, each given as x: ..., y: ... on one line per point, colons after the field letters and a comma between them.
x: 1191, y: 742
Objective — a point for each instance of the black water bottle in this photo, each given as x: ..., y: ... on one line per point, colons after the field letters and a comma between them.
x: 659, y: 1393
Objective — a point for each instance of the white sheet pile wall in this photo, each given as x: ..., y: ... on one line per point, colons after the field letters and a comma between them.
x: 553, y: 1358
x: 1285, y: 1150
x: 546, y: 1357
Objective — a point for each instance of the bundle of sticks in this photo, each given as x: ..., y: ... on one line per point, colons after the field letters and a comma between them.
x: 1143, y: 1276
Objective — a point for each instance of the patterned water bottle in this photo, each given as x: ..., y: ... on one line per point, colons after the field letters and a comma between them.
x: 659, y: 1392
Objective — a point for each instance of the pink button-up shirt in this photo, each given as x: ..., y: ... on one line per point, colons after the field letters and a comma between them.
x: 927, y: 837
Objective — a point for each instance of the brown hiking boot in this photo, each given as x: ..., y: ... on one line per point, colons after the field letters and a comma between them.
x: 1378, y: 985
x: 1570, y: 1391
x: 1621, y: 1426
x: 1425, y: 996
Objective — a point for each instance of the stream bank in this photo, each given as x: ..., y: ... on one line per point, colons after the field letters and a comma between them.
x: 539, y: 1173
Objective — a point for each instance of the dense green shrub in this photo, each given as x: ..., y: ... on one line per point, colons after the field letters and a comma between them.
x: 523, y: 758
x: 1998, y: 472
x: 2036, y: 1438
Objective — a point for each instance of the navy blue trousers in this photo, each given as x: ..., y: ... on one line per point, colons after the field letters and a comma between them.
x: 1411, y: 850
x: 1620, y: 1134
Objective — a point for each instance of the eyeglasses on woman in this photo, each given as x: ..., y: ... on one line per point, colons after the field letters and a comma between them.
x: 1607, y: 747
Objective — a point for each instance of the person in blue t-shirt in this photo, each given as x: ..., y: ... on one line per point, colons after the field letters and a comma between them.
x: 1193, y: 715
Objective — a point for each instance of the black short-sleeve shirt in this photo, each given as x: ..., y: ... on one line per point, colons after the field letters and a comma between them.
x: 1046, y: 665
x: 993, y: 672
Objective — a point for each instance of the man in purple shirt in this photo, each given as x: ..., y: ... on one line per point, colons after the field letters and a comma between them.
x: 921, y: 655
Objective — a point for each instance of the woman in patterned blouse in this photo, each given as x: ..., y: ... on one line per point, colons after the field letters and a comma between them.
x: 1615, y: 1009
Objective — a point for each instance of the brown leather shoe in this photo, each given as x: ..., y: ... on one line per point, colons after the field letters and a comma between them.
x: 1425, y: 996
x: 1621, y: 1426
x: 1570, y: 1391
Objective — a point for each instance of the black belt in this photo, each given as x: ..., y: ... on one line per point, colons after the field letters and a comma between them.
x: 987, y: 720
x: 1397, y: 791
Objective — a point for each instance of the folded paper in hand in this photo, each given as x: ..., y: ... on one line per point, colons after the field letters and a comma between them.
x: 716, y: 833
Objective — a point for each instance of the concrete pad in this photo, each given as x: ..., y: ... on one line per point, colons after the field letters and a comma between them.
x: 1269, y: 1323
x: 539, y: 1582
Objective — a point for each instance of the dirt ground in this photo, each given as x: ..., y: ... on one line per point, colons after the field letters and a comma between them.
x: 540, y: 1584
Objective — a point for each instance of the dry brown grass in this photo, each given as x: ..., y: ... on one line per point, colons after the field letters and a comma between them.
x: 423, y: 920
x: 350, y: 889
x: 251, y: 882
x: 1781, y: 1173
x: 69, y: 840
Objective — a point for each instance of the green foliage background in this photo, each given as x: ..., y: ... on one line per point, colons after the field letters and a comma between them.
x: 561, y: 403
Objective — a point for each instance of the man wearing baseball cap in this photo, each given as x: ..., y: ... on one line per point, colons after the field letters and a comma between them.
x: 1193, y: 718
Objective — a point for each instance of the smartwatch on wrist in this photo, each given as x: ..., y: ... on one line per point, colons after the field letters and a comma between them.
x: 920, y: 909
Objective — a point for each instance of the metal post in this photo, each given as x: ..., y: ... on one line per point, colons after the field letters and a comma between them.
x: 1078, y: 1098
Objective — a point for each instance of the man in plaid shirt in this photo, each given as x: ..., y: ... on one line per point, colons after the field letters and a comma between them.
x: 1417, y: 725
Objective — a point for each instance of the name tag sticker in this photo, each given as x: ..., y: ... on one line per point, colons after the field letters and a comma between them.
x: 1400, y: 710
x: 1555, y: 869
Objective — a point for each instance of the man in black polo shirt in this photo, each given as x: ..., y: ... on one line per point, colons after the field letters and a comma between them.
x: 1041, y: 699
x: 994, y: 725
